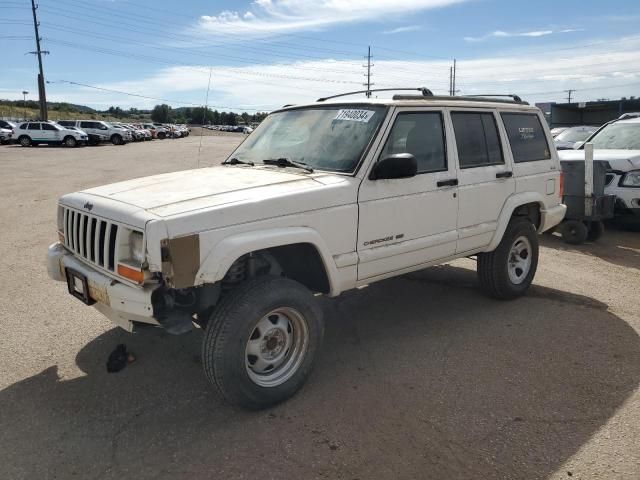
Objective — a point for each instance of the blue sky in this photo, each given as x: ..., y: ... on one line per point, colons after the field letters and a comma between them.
x: 266, y: 53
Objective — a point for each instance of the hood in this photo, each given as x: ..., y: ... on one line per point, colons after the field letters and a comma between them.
x: 205, y: 188
x: 622, y: 160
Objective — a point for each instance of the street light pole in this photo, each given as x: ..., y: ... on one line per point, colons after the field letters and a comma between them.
x: 24, y: 102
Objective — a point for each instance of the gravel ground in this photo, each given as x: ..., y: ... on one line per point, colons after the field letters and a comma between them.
x: 420, y: 376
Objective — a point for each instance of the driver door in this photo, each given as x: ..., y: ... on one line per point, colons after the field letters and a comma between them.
x: 407, y: 223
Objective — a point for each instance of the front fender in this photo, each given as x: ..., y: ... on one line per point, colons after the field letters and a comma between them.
x: 220, y: 258
x: 514, y: 201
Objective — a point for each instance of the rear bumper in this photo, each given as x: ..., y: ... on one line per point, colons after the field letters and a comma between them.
x: 121, y: 303
x: 552, y: 217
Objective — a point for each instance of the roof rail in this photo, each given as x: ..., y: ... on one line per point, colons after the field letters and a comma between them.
x: 425, y: 92
x: 515, y: 98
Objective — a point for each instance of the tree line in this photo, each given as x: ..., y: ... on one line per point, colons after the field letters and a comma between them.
x: 203, y: 116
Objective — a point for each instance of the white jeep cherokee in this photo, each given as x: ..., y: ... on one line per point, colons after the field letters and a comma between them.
x: 319, y: 199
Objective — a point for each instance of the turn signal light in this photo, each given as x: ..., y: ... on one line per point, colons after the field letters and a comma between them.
x: 131, y: 273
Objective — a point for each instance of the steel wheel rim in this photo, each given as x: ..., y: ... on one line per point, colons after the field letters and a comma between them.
x: 276, y: 347
x: 519, y: 262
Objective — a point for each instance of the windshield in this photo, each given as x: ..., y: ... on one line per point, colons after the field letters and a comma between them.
x: 328, y: 138
x: 577, y: 135
x: 623, y: 136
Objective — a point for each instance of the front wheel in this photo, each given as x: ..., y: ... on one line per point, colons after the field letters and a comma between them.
x: 508, y: 271
x: 70, y: 142
x: 261, y: 341
x: 117, y: 139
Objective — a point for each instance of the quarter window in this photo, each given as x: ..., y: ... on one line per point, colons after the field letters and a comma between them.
x: 422, y: 135
x: 526, y: 136
x: 477, y: 139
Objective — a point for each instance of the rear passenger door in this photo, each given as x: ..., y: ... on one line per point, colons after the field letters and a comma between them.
x: 33, y: 129
x: 485, y: 175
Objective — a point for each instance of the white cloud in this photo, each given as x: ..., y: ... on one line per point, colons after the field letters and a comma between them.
x: 271, y: 17
x: 531, y: 34
x: 594, y: 72
x: 408, y: 28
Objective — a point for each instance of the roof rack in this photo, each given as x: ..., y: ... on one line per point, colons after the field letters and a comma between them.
x: 515, y: 98
x: 462, y: 98
x: 425, y: 92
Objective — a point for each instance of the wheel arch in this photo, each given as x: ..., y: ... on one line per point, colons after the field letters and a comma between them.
x: 292, y: 248
x: 527, y: 204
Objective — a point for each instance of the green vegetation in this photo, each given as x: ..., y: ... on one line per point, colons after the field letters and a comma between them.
x: 199, y: 115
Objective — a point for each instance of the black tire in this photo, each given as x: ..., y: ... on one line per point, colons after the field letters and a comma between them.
x: 234, y: 322
x: 162, y: 135
x: 494, y: 267
x: 574, y: 232
x: 117, y: 139
x: 24, y: 141
x: 596, y: 230
x: 70, y: 142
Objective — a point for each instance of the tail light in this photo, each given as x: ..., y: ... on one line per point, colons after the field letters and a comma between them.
x: 561, y: 189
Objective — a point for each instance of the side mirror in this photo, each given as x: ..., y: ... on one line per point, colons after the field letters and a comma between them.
x: 398, y: 165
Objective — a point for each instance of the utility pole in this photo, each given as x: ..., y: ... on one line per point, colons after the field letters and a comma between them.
x: 451, y: 81
x: 41, y: 88
x: 24, y: 102
x: 569, y: 92
x: 368, y: 74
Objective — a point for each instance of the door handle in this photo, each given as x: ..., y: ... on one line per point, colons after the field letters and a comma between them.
x: 448, y: 183
x: 504, y: 175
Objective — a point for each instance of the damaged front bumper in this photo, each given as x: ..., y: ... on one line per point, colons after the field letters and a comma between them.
x: 123, y: 304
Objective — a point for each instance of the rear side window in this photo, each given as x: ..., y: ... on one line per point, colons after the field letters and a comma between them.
x: 526, y: 136
x: 88, y: 125
x: 422, y: 135
x: 23, y: 126
x: 34, y: 126
x: 477, y: 139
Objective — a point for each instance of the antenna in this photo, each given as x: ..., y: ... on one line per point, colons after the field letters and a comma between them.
x: 368, y: 74
x: 204, y: 114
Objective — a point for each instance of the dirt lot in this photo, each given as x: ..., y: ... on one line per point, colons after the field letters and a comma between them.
x: 420, y: 376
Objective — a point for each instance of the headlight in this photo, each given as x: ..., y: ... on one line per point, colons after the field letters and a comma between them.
x: 136, y: 247
x: 631, y: 179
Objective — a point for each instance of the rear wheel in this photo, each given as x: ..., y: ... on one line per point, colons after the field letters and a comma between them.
x: 508, y: 271
x: 574, y: 232
x: 261, y: 341
x: 24, y: 141
x: 70, y: 142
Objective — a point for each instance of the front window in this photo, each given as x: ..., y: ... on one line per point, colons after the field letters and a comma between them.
x: 330, y: 138
x: 623, y: 136
x: 573, y: 136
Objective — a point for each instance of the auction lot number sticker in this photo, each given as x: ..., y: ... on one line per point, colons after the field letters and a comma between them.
x: 355, y: 115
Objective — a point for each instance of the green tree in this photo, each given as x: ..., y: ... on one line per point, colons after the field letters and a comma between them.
x: 162, y: 114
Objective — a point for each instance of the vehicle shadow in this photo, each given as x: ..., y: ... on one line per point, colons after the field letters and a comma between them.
x: 618, y: 246
x: 420, y: 377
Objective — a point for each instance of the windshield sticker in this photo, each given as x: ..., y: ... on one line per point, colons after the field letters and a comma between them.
x: 355, y: 115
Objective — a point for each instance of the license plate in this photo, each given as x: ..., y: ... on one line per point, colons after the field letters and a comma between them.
x: 78, y: 286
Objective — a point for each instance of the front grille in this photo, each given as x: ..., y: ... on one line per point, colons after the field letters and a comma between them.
x: 91, y: 238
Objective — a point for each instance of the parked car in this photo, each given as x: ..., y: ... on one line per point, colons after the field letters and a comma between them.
x: 93, y: 139
x: 320, y: 199
x: 163, y: 131
x: 136, y: 134
x: 572, y: 137
x: 557, y: 131
x: 618, y: 143
x: 11, y: 127
x: 5, y: 135
x: 117, y: 136
x: 35, y: 133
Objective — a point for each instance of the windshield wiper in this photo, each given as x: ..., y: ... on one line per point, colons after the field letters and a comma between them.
x: 237, y: 161
x: 285, y: 162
